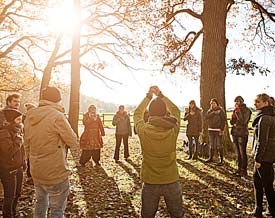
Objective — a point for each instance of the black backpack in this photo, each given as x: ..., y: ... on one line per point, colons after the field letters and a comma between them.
x: 11, y: 156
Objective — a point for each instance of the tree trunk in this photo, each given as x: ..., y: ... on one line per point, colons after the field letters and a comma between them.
x: 47, y: 73
x: 213, y: 68
x: 75, y: 71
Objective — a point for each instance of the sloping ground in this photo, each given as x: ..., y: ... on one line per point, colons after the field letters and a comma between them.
x: 113, y: 190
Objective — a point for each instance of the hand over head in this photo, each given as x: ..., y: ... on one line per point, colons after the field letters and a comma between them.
x: 154, y: 90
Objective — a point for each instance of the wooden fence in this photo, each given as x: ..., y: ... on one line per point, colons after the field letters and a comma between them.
x: 107, y: 119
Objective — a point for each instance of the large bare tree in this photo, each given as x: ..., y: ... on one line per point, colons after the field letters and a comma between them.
x: 176, y: 35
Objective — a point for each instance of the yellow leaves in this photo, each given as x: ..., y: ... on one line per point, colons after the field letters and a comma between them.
x: 215, y: 203
x: 15, y: 78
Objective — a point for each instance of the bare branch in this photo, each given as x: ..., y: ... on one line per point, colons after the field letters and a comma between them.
x: 188, y: 11
x: 14, y: 44
x: 99, y: 75
x: 4, y: 11
x: 30, y: 57
x: 196, y: 36
x: 257, y: 5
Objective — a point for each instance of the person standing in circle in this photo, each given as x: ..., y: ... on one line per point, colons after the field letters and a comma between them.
x: 264, y: 155
x: 240, y: 119
x: 194, y: 128
x: 91, y: 139
x: 123, y: 130
x: 216, y: 122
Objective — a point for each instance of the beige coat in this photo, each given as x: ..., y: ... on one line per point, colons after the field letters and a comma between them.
x: 47, y: 131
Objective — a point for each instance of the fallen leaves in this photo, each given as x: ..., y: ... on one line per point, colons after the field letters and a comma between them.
x: 114, y: 189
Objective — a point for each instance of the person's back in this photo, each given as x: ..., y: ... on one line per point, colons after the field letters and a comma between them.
x: 47, y: 132
x: 158, y: 138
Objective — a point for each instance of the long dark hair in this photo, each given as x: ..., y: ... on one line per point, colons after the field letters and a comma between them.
x: 195, y: 106
x: 215, y: 100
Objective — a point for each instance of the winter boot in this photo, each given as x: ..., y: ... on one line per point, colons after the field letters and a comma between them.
x: 211, y: 154
x: 221, y: 163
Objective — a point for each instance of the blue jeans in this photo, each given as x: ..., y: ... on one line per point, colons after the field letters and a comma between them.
x: 53, y: 196
x: 150, y: 197
x: 215, y: 140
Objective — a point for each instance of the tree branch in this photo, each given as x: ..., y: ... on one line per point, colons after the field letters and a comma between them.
x: 187, y: 49
x: 257, y: 5
x: 188, y: 11
x: 13, y: 45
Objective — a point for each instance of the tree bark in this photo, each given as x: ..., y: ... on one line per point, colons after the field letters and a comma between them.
x: 213, y: 67
x: 75, y: 71
x: 47, y: 74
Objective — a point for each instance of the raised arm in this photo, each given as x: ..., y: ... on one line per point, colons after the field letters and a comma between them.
x: 139, y: 112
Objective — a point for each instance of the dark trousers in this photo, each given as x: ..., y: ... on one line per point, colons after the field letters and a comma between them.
x: 119, y: 138
x: 241, y: 144
x: 87, y: 154
x: 150, y: 196
x: 215, y: 141
x: 190, y: 143
x: 28, y: 168
x: 263, y: 183
x: 12, y: 184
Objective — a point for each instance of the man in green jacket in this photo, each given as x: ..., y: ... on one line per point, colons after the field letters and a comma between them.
x: 158, y: 138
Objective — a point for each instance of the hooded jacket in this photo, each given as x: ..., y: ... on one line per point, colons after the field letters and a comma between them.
x: 47, y: 131
x: 264, y: 137
x: 158, y: 139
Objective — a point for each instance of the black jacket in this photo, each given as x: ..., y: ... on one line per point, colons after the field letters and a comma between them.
x: 240, y: 121
x: 11, y: 148
x: 194, y: 126
x: 216, y: 118
x: 264, y: 137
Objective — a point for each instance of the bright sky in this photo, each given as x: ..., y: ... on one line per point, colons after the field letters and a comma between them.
x: 181, y: 90
x: 178, y: 88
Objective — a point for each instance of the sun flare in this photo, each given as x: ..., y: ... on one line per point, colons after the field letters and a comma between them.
x: 61, y: 18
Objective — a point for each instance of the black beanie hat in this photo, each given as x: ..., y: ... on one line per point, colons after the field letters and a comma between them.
x: 239, y: 98
x: 11, y: 114
x: 157, y: 107
x: 51, y: 94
